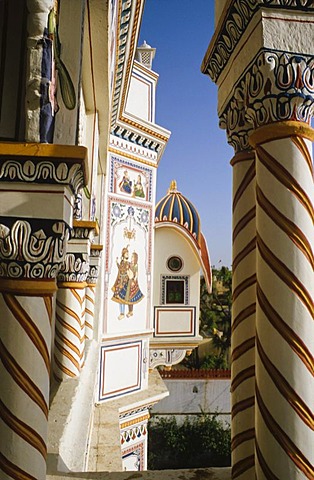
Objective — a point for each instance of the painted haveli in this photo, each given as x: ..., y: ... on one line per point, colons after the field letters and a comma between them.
x: 79, y: 150
x: 261, y: 58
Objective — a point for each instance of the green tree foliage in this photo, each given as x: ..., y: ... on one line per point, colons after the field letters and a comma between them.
x: 215, y: 321
x: 198, y: 443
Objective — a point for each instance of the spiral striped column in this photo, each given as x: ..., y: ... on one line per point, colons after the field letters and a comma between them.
x: 243, y: 316
x: 284, y: 318
x: 69, y: 329
x: 25, y: 340
x: 89, y: 310
x: 94, y: 264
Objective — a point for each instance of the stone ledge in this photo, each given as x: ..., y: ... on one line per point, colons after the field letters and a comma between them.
x: 193, y: 474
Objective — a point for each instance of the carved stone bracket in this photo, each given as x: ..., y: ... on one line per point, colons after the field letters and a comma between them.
x: 32, y: 248
x: 94, y: 263
x: 76, y: 266
x: 166, y: 357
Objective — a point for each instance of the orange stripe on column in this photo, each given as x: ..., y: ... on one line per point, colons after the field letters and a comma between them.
x: 283, y: 440
x: 281, y: 270
x: 29, y: 327
x: 22, y: 379
x: 286, y: 332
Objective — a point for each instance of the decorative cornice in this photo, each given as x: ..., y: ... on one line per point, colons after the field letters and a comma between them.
x: 43, y: 163
x: 32, y: 248
x: 233, y: 25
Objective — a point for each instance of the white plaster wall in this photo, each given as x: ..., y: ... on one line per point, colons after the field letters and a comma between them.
x: 188, y: 397
x: 169, y: 242
x: 139, y: 98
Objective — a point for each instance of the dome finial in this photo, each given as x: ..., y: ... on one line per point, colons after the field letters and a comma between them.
x: 173, y: 186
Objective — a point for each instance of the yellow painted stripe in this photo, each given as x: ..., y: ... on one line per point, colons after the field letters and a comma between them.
x: 250, y: 247
x: 29, y: 327
x: 245, y: 436
x: 242, y: 466
x: 278, y: 130
x: 48, y: 305
x: 288, y: 277
x: 70, y: 312
x: 242, y: 376
x: 287, y: 226
x: 247, y: 283
x: 286, y: 332
x: 269, y: 475
x: 90, y: 299
x: 242, y: 406
x: 301, y: 145
x: 13, y: 471
x: 67, y: 326
x: 23, y: 430
x: 243, y: 315
x: 247, y: 179
x: 245, y: 220
x: 63, y: 369
x: 280, y: 382
x: 288, y: 446
x: 243, y: 348
x: 80, y: 299
x: 67, y: 354
x: 89, y: 312
x: 67, y: 342
x: 22, y: 379
x: 286, y: 179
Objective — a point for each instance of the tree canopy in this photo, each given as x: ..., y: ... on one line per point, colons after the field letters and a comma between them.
x: 215, y: 321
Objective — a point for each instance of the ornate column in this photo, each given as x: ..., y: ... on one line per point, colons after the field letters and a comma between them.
x: 285, y: 261
x: 249, y: 61
x: 244, y: 292
x: 94, y: 263
x: 70, y: 305
x: 34, y: 180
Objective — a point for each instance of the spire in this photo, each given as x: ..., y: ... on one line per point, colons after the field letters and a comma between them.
x: 173, y: 187
x: 145, y: 55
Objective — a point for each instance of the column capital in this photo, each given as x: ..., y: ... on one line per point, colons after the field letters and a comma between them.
x: 44, y: 164
x: 237, y: 128
x: 32, y: 248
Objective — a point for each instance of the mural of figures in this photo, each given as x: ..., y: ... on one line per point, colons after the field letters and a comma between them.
x: 138, y: 188
x: 126, y: 184
x: 126, y: 290
x: 127, y: 179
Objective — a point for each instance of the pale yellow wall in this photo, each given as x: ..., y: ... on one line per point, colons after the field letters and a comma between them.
x: 169, y: 242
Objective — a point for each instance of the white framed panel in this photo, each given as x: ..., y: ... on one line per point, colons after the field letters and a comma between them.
x: 124, y: 358
x: 174, y: 321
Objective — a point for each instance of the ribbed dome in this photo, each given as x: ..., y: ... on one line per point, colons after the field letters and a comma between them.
x: 174, y: 207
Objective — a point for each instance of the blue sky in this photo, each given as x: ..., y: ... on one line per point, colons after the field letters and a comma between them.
x: 197, y: 155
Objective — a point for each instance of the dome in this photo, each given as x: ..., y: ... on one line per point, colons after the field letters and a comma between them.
x: 176, y: 208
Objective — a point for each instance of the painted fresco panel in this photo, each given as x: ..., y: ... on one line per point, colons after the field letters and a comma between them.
x: 130, y: 180
x: 133, y: 457
x: 128, y: 355
x: 128, y: 252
